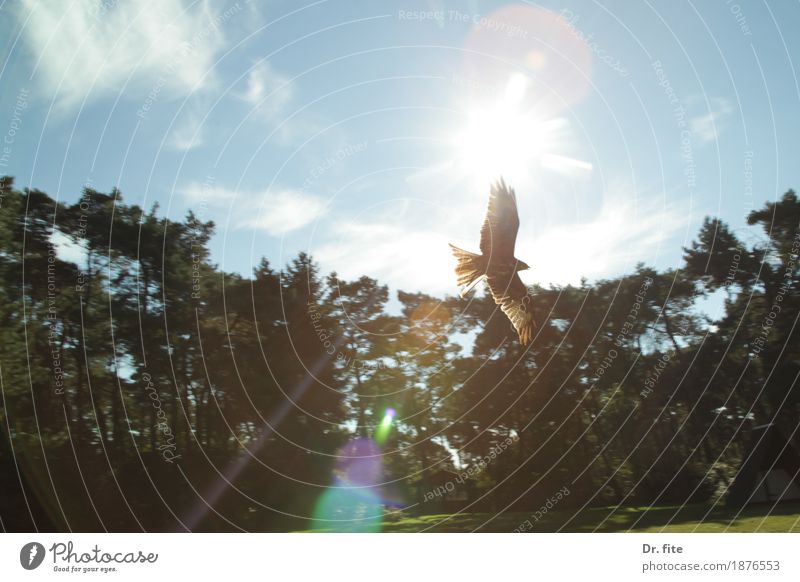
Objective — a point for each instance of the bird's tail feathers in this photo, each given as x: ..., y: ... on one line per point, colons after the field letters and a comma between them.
x: 470, y: 268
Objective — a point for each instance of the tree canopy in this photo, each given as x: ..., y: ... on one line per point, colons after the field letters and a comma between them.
x: 144, y: 388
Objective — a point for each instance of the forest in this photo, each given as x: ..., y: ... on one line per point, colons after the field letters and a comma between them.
x: 144, y: 388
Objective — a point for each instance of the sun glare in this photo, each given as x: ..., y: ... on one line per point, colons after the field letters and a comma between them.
x: 503, y: 138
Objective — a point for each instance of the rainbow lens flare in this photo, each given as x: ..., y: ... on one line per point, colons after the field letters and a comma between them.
x: 385, y: 427
x: 353, y: 503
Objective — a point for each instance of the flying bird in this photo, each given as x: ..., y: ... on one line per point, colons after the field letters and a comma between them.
x: 497, y: 263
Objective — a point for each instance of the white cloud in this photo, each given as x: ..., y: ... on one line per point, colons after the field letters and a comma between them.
x: 188, y: 132
x: 269, y: 93
x: 403, y: 242
x: 263, y: 81
x: 277, y: 212
x: 404, y: 257
x: 165, y: 46
x: 707, y: 127
x: 408, y: 249
x: 206, y: 194
x: 623, y: 233
x: 283, y: 211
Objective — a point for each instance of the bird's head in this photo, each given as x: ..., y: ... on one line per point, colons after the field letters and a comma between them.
x: 522, y: 266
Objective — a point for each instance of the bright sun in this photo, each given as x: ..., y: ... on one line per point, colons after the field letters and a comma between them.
x: 503, y: 138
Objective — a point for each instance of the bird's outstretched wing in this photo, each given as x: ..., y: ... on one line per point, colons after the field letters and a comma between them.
x: 510, y: 293
x: 499, y: 229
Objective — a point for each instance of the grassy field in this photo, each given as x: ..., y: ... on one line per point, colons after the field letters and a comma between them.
x: 691, y: 518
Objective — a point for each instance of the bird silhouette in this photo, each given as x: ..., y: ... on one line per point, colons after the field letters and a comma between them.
x: 497, y: 264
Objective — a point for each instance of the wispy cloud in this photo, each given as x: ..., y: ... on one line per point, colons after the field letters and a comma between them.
x: 707, y: 127
x: 624, y: 232
x: 404, y: 256
x: 90, y: 49
x: 284, y: 211
x: 267, y: 88
x: 277, y: 211
x: 407, y: 248
x: 269, y: 93
x: 188, y: 132
x: 206, y: 194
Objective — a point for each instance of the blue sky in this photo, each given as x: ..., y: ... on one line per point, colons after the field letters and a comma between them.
x: 366, y: 132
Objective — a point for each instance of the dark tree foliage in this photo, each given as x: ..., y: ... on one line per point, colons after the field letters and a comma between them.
x: 143, y: 388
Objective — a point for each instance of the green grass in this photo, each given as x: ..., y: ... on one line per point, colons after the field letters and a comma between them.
x: 784, y: 518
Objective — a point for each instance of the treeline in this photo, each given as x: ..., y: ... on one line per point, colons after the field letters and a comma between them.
x: 145, y: 388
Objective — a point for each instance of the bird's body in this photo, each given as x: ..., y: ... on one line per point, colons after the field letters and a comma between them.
x: 497, y: 263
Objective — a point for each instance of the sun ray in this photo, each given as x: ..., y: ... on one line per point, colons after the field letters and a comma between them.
x: 509, y: 137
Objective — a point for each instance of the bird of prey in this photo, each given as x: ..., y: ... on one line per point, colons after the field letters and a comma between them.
x: 497, y: 263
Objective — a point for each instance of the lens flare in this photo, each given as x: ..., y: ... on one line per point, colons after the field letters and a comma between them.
x: 523, y: 68
x: 353, y: 503
x: 537, y: 42
x: 385, y: 427
x: 502, y: 139
x: 348, y: 509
